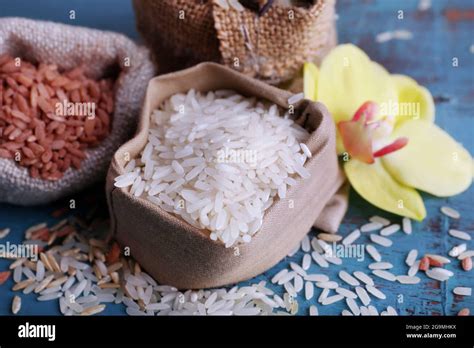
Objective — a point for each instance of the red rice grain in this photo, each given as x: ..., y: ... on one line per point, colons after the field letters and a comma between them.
x: 30, y: 130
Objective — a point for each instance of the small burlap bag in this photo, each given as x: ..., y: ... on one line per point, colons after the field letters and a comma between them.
x: 273, y: 47
x: 178, y: 254
x: 100, y: 53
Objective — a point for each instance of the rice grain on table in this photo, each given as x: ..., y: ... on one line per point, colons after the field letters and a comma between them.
x: 440, y: 274
x: 346, y: 293
x: 278, y: 276
x: 16, y: 304
x: 380, y: 265
x: 334, y: 260
x: 308, y: 290
x: 364, y: 311
x: 332, y: 299
x: 373, y: 252
x: 463, y: 291
x: 298, y: 283
x: 317, y: 278
x: 327, y: 285
x: 351, y: 303
x: 376, y: 292
x: 285, y: 278
x: 387, y: 231
x: 348, y: 278
x: 406, y: 279
x: 459, y: 234
x: 364, y: 277
x: 305, y: 244
x: 450, y: 212
x: 4, y: 232
x: 458, y: 250
x: 313, y: 310
x: 413, y: 270
x: 438, y: 258
x: 192, y: 149
x: 371, y: 226
x: 411, y: 257
x: 363, y: 295
x: 380, y: 220
x: 298, y: 269
x: 373, y: 310
x: 351, y: 237
x: 321, y: 261
x: 467, y: 253
x: 329, y: 237
x: 306, y: 262
x: 406, y: 225
x: 385, y: 275
x: 315, y: 245
x: 385, y: 242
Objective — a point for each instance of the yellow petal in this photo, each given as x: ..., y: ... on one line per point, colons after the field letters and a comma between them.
x: 432, y: 161
x: 414, y: 101
x: 348, y: 78
x: 378, y: 187
x: 310, y: 72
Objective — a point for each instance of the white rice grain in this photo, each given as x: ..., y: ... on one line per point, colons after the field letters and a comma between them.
x: 348, y: 278
x: 411, y: 257
x: 450, y: 212
x: 403, y: 279
x: 363, y: 296
x: 351, y: 237
x: 385, y: 275
x: 364, y: 277
x: 376, y: 292
x: 380, y: 265
x: 371, y: 226
x: 463, y: 291
x: 406, y: 225
x: 387, y: 231
x: 380, y: 220
x: 373, y: 252
x: 385, y: 242
x: 459, y: 234
x: 308, y: 290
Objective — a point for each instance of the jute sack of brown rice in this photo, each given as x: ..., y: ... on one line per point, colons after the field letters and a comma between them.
x: 176, y: 253
x: 101, y: 54
x: 273, y: 47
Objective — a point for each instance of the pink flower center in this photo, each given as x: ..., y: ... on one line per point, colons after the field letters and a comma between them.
x: 356, y: 135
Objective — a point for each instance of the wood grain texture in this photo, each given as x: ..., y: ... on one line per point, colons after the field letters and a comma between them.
x: 440, y: 34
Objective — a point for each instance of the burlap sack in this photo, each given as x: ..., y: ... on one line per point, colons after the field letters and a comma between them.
x: 100, y: 52
x: 176, y: 253
x: 273, y: 47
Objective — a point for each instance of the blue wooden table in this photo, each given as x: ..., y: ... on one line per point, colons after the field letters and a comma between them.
x: 441, y: 33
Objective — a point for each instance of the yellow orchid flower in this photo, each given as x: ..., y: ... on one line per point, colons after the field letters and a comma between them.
x: 385, y: 123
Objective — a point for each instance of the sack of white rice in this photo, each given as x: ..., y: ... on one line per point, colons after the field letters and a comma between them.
x: 69, y: 97
x: 223, y: 178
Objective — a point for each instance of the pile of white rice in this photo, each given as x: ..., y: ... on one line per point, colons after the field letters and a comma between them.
x: 218, y: 160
